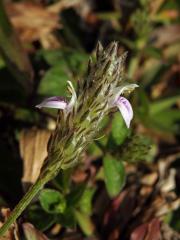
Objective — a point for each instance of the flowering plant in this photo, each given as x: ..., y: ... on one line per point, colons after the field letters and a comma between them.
x: 79, y: 119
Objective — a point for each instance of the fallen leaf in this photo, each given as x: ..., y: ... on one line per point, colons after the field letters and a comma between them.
x: 35, y: 22
x: 32, y: 21
x: 32, y: 233
x: 139, y: 233
x: 12, y: 233
x: 147, y: 231
x: 166, y: 35
x: 168, y: 233
x: 33, y: 149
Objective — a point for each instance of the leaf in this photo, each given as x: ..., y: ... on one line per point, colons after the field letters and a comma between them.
x: 40, y: 219
x: 12, y: 233
x: 54, y: 83
x: 153, y: 70
x: 63, y: 179
x: 119, y: 130
x: 153, y: 52
x: 31, y: 233
x: 85, y: 223
x: 161, y: 122
x: 148, y: 231
x: 74, y: 196
x: 65, y: 65
x: 33, y: 149
x: 13, y: 53
x: 163, y: 104
x: 52, y: 201
x: 85, y: 203
x: 109, y: 15
x: 67, y: 219
x: 68, y: 58
x: 138, y: 148
x: 33, y: 22
x: 114, y: 174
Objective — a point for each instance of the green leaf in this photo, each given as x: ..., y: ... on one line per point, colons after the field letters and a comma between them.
x: 114, y: 174
x: 54, y: 83
x: 52, y: 201
x: 153, y: 52
x: 138, y: 148
x: 85, y: 203
x: 119, y: 129
x: 70, y: 59
x: 85, y: 223
x: 163, y: 104
x: 109, y: 15
x: 63, y: 179
x: 161, y: 122
x: 67, y: 219
x: 74, y: 196
x: 153, y: 73
x: 40, y: 219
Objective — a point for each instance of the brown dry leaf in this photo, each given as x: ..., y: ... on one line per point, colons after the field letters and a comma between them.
x: 148, y: 231
x: 63, y: 4
x: 166, y: 35
x: 32, y: 233
x: 144, y: 198
x: 32, y: 21
x: 155, y: 6
x: 12, y: 233
x: 154, y: 231
x: 139, y: 233
x: 35, y: 22
x: 168, y: 233
x: 33, y: 149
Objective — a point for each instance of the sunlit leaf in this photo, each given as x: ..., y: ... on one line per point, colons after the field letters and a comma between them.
x: 119, y: 130
x: 85, y: 203
x: 114, y: 173
x: 85, y: 223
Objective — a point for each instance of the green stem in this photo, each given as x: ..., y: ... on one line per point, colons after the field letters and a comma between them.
x: 24, y: 202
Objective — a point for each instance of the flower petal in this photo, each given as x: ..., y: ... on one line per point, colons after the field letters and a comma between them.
x: 118, y: 91
x: 53, y: 102
x: 126, y: 110
x: 126, y: 88
x: 73, y: 96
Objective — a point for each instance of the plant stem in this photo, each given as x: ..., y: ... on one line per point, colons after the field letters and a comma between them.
x: 24, y: 202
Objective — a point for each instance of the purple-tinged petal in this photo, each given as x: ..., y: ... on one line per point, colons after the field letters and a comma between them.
x: 126, y: 110
x: 53, y: 102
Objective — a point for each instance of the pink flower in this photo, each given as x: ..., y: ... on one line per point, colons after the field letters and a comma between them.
x: 116, y: 100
